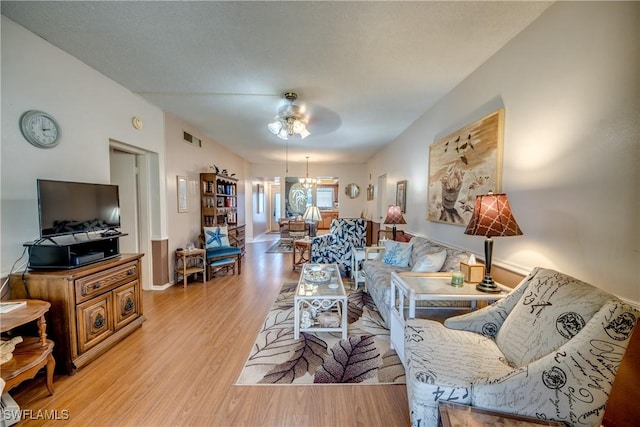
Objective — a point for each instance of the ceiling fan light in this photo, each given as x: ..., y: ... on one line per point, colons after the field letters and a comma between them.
x: 290, y: 120
x: 275, y: 127
x: 298, y: 126
x: 283, y: 134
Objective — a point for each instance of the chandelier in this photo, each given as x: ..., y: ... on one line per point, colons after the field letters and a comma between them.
x: 307, y: 182
x: 291, y: 120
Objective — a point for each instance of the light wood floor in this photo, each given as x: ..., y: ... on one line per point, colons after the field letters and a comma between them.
x: 180, y: 368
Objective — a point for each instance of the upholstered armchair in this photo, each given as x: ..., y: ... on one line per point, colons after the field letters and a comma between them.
x: 550, y: 349
x: 336, y: 247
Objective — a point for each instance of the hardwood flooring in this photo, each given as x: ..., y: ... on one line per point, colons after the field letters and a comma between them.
x: 180, y: 368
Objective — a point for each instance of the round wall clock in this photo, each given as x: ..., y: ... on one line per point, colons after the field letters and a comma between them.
x: 40, y: 129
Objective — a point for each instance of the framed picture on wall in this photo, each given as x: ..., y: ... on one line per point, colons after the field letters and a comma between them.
x: 183, y: 194
x: 462, y: 165
x: 401, y: 195
x: 260, y: 195
x: 370, y: 192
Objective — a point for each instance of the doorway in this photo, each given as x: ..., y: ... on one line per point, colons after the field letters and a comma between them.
x: 124, y: 174
x: 275, y: 206
x: 131, y: 169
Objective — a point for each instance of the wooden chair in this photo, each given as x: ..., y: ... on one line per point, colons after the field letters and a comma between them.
x: 297, y: 230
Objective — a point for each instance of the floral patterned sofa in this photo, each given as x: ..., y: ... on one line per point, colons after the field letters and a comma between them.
x: 336, y: 247
x: 550, y: 350
x: 378, y: 273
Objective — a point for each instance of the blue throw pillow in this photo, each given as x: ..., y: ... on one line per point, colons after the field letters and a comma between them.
x: 216, y: 237
x: 397, y: 253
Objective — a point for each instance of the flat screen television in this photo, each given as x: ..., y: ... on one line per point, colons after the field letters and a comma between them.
x: 77, y: 207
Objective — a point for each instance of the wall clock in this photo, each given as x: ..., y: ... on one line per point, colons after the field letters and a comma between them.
x: 40, y: 129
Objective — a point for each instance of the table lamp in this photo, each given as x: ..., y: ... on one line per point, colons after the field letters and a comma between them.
x: 491, y: 217
x: 312, y: 215
x: 394, y: 216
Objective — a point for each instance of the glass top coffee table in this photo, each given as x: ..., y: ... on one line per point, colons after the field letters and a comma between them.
x: 320, y: 301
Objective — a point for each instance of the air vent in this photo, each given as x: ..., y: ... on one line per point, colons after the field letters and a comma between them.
x: 192, y: 139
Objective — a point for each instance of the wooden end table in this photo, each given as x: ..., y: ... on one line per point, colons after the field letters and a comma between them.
x: 301, y: 247
x: 190, y: 262
x: 33, y: 353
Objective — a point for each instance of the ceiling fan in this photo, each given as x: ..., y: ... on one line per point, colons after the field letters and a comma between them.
x: 291, y: 120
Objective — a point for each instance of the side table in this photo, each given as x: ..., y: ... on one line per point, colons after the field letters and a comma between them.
x: 361, y: 254
x: 190, y: 262
x: 356, y: 274
x: 33, y: 353
x: 301, y: 248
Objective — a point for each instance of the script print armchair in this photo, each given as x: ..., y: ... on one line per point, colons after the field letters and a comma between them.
x: 336, y: 247
x: 550, y: 350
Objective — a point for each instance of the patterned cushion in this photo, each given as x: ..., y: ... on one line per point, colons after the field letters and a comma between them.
x: 446, y: 369
x: 336, y: 247
x: 216, y: 237
x: 396, y: 253
x: 430, y: 262
x: 454, y: 258
x: 422, y: 246
x: 553, y: 311
x: 378, y: 280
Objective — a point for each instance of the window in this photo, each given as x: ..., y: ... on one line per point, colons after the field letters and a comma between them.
x: 324, y: 197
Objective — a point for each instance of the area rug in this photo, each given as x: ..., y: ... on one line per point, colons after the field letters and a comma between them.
x: 280, y: 247
x: 322, y: 357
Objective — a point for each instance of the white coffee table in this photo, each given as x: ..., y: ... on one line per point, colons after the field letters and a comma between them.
x: 320, y: 298
x: 407, y: 288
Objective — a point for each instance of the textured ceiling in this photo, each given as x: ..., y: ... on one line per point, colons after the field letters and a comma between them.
x: 364, y: 70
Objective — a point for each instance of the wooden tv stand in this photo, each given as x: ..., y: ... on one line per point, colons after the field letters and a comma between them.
x: 92, y: 307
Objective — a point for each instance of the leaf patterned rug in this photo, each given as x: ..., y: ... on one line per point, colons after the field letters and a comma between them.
x: 323, y: 357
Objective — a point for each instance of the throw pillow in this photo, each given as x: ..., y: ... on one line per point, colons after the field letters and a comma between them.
x: 430, y: 262
x: 403, y: 237
x: 216, y: 237
x: 397, y: 253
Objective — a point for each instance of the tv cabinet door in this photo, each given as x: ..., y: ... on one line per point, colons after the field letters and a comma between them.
x: 126, y: 304
x: 95, y: 321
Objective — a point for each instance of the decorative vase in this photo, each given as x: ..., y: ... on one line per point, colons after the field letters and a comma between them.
x: 450, y: 197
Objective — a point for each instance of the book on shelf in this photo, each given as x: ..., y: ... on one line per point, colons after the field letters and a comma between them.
x: 7, y: 306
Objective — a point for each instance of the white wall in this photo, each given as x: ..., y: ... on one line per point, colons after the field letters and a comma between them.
x: 570, y: 86
x: 90, y: 109
x: 189, y: 160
